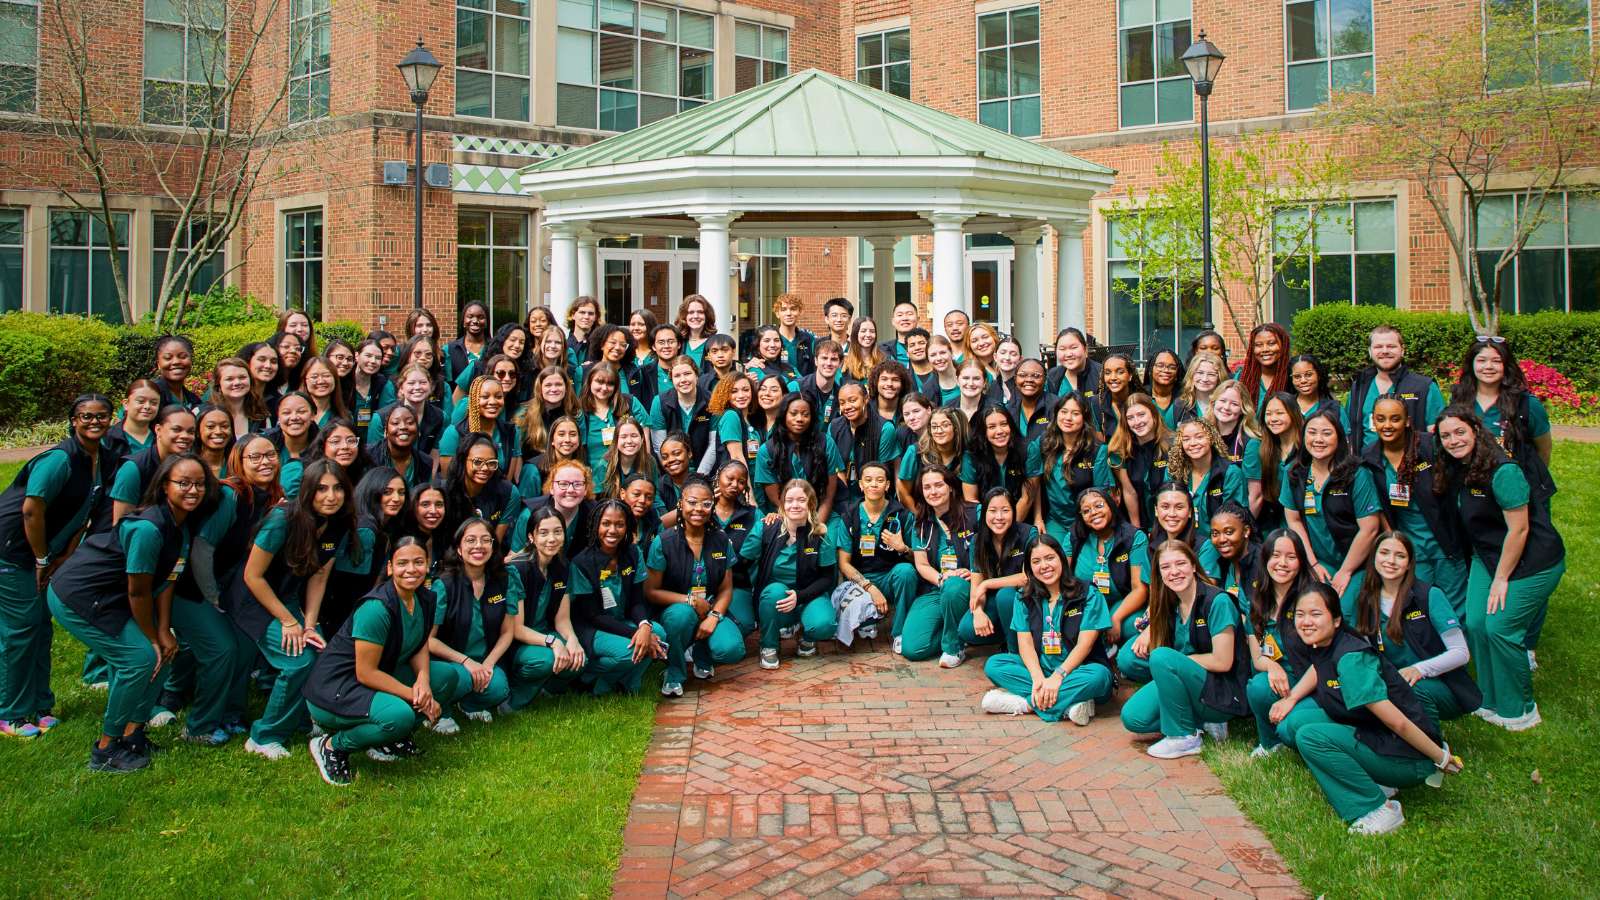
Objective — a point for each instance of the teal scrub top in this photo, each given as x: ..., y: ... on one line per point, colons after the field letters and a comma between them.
x: 1093, y: 561
x: 1440, y: 613
x: 593, y: 427
x: 657, y: 560
x: 135, y: 445
x: 450, y: 442
x: 1432, y: 406
x: 1061, y: 504
x: 1250, y: 461
x: 1032, y: 464
x: 1360, y: 680
x: 732, y: 428
x: 632, y: 569
x: 1233, y: 488
x: 221, y: 519
x: 371, y: 623
x: 126, y: 487
x: 141, y: 543
x: 478, y: 644
x: 1409, y: 519
x: 1272, y: 648
x: 866, y: 525
x: 1363, y: 495
x: 696, y: 352
x: 1169, y: 413
x: 784, y: 569
x: 766, y: 472
x: 1222, y: 615
x: 1538, y: 418
x: 291, y: 468
x: 791, y: 348
x: 46, y: 478
x: 364, y: 538
x: 1096, y: 617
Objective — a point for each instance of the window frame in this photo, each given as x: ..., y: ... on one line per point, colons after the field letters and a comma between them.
x: 864, y: 254
x: 186, y: 117
x: 1565, y: 247
x: 1009, y: 47
x: 290, y: 261
x: 33, y: 90
x: 762, y: 60
x: 1142, y: 352
x: 491, y: 249
x: 1328, y: 59
x: 884, y: 64
x: 125, y: 217
x: 1539, y: 34
x: 762, y: 266
x: 596, y: 31
x: 159, y: 250
x: 1347, y: 208
x: 1156, y: 79
x: 21, y: 249
x: 493, y: 13
x: 306, y: 26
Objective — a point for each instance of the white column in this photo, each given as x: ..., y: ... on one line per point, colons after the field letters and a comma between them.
x: 715, y: 282
x: 949, y: 264
x: 588, y: 244
x: 1070, y: 310
x: 563, y: 270
x: 882, y: 274
x: 1027, y: 315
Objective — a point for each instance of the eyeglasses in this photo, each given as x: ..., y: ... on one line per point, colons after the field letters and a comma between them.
x: 569, y: 485
x: 484, y: 463
x: 1490, y: 339
x: 187, y: 486
x: 697, y: 504
x: 94, y: 417
x: 259, y: 457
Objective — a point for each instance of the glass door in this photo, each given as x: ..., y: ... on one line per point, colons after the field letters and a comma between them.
x: 989, y: 287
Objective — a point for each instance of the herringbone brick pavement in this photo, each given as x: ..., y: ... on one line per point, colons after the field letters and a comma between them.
x: 858, y: 774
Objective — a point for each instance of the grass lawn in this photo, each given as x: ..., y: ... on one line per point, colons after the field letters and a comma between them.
x: 1523, y: 819
x: 532, y: 806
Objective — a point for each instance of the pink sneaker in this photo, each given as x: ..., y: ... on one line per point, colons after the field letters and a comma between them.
x: 18, y: 728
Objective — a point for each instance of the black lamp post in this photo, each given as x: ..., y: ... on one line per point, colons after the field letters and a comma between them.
x: 419, y: 68
x: 1204, y: 60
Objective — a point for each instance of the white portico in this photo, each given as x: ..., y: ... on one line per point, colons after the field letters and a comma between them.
x: 817, y: 155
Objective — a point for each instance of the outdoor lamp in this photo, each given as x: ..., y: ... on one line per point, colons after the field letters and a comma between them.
x: 419, y: 68
x: 1204, y: 61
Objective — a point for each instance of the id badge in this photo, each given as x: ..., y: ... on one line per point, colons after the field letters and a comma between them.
x: 752, y: 447
x: 1273, y: 651
x: 1052, y: 642
x: 850, y: 473
x: 1102, y: 581
x: 608, y: 600
x: 697, y: 594
x: 1399, y: 494
x: 868, y: 544
x: 1309, y: 505
x: 947, y: 561
x: 784, y: 354
x: 607, y: 434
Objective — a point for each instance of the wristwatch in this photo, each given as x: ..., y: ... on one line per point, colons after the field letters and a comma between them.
x: 716, y: 615
x: 549, y: 640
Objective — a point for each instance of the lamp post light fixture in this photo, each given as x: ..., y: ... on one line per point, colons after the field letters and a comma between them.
x: 419, y: 68
x: 1204, y: 61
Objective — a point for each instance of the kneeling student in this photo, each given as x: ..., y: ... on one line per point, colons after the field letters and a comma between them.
x: 475, y: 621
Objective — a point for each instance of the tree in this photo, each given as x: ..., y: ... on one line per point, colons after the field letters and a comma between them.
x: 1458, y: 112
x: 1268, y: 196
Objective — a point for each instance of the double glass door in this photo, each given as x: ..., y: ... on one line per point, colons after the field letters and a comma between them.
x: 656, y: 280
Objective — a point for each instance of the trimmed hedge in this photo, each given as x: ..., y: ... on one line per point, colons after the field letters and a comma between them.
x: 1336, y: 333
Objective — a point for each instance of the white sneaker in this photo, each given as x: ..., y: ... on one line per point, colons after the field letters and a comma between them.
x: 101, y: 686
x: 1217, y: 731
x: 161, y: 719
x: 701, y: 672
x: 788, y: 631
x: 378, y: 754
x: 671, y: 689
x: 1485, y: 713
x: 1388, y: 792
x: 1382, y: 820
x: 1521, y: 723
x: 1261, y: 752
x: 868, y: 632
x: 482, y: 715
x: 445, y: 726
x: 1081, y: 712
x: 807, y: 648
x: 1005, y: 703
x: 1176, y: 747
x: 273, y: 751
x: 1532, y: 662
x: 896, y: 647
x: 952, y: 660
x: 769, y: 658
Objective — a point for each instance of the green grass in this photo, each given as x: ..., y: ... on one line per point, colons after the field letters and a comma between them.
x: 532, y: 805
x: 1523, y: 819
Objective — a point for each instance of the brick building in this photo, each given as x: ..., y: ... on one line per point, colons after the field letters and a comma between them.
x: 527, y: 79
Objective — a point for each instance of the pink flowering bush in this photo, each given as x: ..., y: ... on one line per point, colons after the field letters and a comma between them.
x: 1555, y: 388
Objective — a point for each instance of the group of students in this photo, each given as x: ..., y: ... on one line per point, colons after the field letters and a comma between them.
x: 402, y: 533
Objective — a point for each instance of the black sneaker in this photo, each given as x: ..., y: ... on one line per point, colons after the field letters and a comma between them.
x: 115, y: 758
x: 333, y: 765
x: 404, y: 749
x: 139, y: 742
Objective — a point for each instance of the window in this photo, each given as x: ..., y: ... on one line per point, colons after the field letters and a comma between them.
x: 621, y: 64
x: 310, y: 25
x: 1559, y: 264
x: 492, y: 263
x: 1154, y: 85
x: 760, y: 54
x: 11, y: 245
x: 185, y: 62
x: 1169, y: 323
x: 1328, y: 47
x: 302, y: 262
x: 81, y: 282
x: 1355, y: 259
x: 1558, y: 30
x: 1008, y: 71
x: 763, y: 276
x: 492, y: 59
x: 902, y: 274
x: 19, y: 55
x: 883, y: 60
x: 204, y: 275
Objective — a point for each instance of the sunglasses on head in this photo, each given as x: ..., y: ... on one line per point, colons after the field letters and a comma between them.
x: 1490, y: 339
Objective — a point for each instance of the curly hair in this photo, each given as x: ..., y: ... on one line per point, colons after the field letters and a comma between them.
x: 722, y: 394
x: 891, y: 366
x: 1478, y: 469
x: 682, y: 320
x: 1179, y: 466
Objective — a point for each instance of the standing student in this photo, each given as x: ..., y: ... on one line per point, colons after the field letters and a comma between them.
x: 369, y: 389
x: 213, y: 438
x: 547, y: 648
x: 887, y: 387
x: 1137, y: 454
x: 1389, y: 377
x: 1308, y: 378
x: 983, y: 341
x: 338, y: 442
x: 608, y: 344
x: 487, y: 414
x: 942, y: 553
x: 1073, y: 461
x: 736, y: 516
x: 376, y: 682
x: 1492, y: 384
x: 1209, y: 341
x: 795, y: 560
x: 1277, y: 654
x: 43, y: 513
x: 672, y: 465
x: 1007, y: 359
x: 474, y: 622
x: 768, y: 359
x: 972, y: 387
x: 798, y: 343
x: 821, y: 385
x: 584, y: 316
x: 421, y: 322
x: 174, y: 430
x: 629, y: 456
x: 956, y: 324
x: 416, y: 387
x: 1380, y: 738
x: 551, y: 398
x: 1197, y: 659
x: 917, y: 341
x: 685, y: 410
x: 292, y: 355
x: 838, y: 312
x: 722, y: 360
x: 799, y: 447
x: 1030, y: 404
x: 1199, y: 461
x: 294, y: 436
x: 903, y: 318
x: 609, y: 611
x: 1518, y: 558
x: 997, y: 458
x: 321, y: 385
x: 863, y: 355
x: 262, y: 358
x: 115, y: 595
x: 135, y: 430
x: 298, y: 323
x: 696, y: 323
x: 1408, y: 460
x: 1266, y: 370
x: 874, y: 540
x: 732, y: 403
x: 1234, y: 420
x: 562, y: 443
x: 980, y: 613
x: 174, y: 363
x: 914, y: 412
x: 1203, y: 374
x: 943, y: 443
x: 1112, y: 559
x: 654, y: 378
x: 1059, y: 669
x: 641, y: 325
x: 398, y: 448
x: 1281, y: 425
x: 1118, y: 380
x: 601, y: 407
x: 551, y: 351
x: 861, y: 436
x: 1074, y: 371
x: 942, y: 384
x: 1163, y: 379
x: 277, y: 595
x: 475, y: 489
x: 690, y: 587
x: 1330, y: 501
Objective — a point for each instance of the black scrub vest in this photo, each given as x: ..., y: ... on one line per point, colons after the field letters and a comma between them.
x: 1369, y: 729
x: 333, y: 684
x: 80, y: 484
x: 1484, y: 523
x: 93, y: 582
x: 455, y: 629
x: 1071, y: 625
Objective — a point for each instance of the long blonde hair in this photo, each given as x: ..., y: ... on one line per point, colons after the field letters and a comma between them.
x: 643, y: 462
x: 817, y: 528
x: 1247, y: 414
x: 1179, y: 467
x: 1123, y: 441
x: 1200, y: 356
x: 534, y: 434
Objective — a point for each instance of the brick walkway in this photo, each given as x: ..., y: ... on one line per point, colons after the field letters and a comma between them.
x: 859, y: 774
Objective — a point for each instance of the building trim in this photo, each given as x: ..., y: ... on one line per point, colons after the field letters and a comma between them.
x: 877, y: 26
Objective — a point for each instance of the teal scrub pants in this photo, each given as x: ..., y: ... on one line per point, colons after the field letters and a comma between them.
x: 819, y: 621
x: 391, y: 719
x: 1061, y: 531
x: 1448, y: 575
x: 1170, y: 703
x: 132, y: 662
x: 1437, y: 700
x: 496, y: 692
x: 529, y: 667
x: 1261, y: 696
x: 95, y: 670
x: 285, y: 712
x: 899, y: 587
x: 612, y: 668
x: 1090, y: 681
x: 997, y: 606
x: 743, y: 610
x: 222, y: 656
x: 1350, y: 772
x: 924, y: 635
x: 1499, y: 642
x: 1131, y: 667
x: 25, y: 635
x: 724, y: 648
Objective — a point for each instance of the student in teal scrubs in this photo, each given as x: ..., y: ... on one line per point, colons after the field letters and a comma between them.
x: 768, y: 359
x: 942, y: 385
x: 799, y: 447
x: 1388, y: 377
x: 115, y: 594
x: 375, y: 682
x: 796, y: 561
x: 981, y: 613
x: 174, y: 430
x: 474, y: 622
x: 874, y: 540
x: 1379, y: 739
x: 1329, y: 500
x: 997, y: 457
x: 1518, y: 558
x: 690, y: 590
x: 547, y: 650
x: 1137, y: 455
x: 1059, y: 669
x: 1230, y: 556
x: 1199, y: 461
x: 1276, y: 652
x: 736, y: 516
x: 132, y: 432
x: 696, y: 323
x: 1073, y: 461
x: 1281, y: 424
x: 942, y: 552
x: 1112, y: 558
x: 943, y: 443
x: 1408, y: 459
x: 732, y: 402
x: 601, y: 407
x: 294, y: 435
x: 1163, y: 381
x: 487, y: 413
x: 609, y: 612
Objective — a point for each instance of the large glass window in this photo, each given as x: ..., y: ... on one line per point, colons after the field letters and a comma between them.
x: 621, y: 64
x: 760, y: 54
x: 492, y: 263
x: 19, y: 55
x: 11, y: 255
x: 1153, y: 86
x: 1170, y: 322
x: 1355, y: 258
x: 1558, y: 266
x: 1327, y: 47
x: 1008, y: 71
x: 302, y: 262
x: 205, y: 275
x: 902, y: 274
x: 185, y: 62
x: 310, y: 39
x: 764, y: 275
x: 81, y: 282
x: 492, y: 59
x: 1559, y: 30
x: 883, y: 60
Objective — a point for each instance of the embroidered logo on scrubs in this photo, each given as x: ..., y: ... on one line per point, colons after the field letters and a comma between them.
x: 1122, y: 558
x: 497, y: 598
x: 1332, y: 683
x: 1404, y: 395
x: 327, y: 546
x: 1200, y: 622
x: 1414, y: 615
x: 628, y: 571
x: 558, y: 585
x: 811, y: 551
x: 719, y: 555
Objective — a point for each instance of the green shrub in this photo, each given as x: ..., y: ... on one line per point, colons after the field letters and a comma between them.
x: 217, y: 343
x: 79, y: 358
x: 222, y: 305
x: 133, y: 356
x: 349, y: 332
x: 22, y: 362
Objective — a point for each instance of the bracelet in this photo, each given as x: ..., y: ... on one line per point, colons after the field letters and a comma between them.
x: 1446, y: 760
x: 41, y: 561
x: 716, y: 615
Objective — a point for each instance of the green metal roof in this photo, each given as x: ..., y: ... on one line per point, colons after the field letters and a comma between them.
x: 813, y: 114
